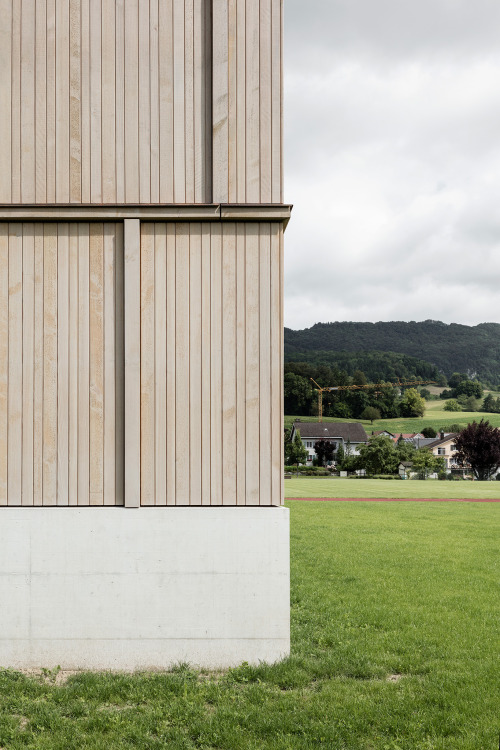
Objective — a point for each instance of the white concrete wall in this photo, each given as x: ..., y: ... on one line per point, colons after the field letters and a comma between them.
x: 126, y: 589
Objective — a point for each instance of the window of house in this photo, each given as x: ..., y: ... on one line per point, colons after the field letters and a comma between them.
x: 441, y: 451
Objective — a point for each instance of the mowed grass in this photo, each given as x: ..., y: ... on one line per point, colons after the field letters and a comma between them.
x: 395, y: 640
x: 434, y: 417
x: 382, y: 488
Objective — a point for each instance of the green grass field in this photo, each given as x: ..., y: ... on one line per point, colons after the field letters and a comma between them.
x: 395, y: 639
x: 434, y: 417
x: 382, y: 488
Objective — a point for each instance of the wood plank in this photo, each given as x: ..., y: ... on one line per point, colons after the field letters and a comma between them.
x: 62, y: 102
x: 120, y: 100
x: 108, y: 102
x: 144, y: 105
x: 147, y: 364
x: 15, y: 107
x: 41, y: 101
x: 265, y: 363
x: 166, y: 102
x: 109, y: 366
x: 119, y: 368
x: 282, y: 348
x: 96, y: 335
x: 200, y: 64
x: 189, y: 104
x: 160, y: 399
x: 265, y: 89
x: 252, y: 355
x: 277, y: 102
x: 85, y: 98
x: 205, y: 363
x: 4, y: 360
x: 62, y: 363
x: 96, y: 123
x: 179, y: 144
x: 75, y: 136
x: 51, y: 101
x: 28, y: 160
x: 5, y: 106
x: 15, y: 445
x: 171, y: 363
x: 276, y: 367
x: 220, y: 93
x: 132, y: 194
x: 195, y: 363
x: 73, y: 367
x: 252, y: 103
x: 240, y: 365
x: 216, y: 367
x: 182, y: 406
x: 229, y: 364
x: 38, y: 371
x: 83, y: 364
x: 233, y: 42
x: 132, y: 274
x: 28, y: 344
x: 155, y: 101
x: 241, y: 107
x: 50, y: 365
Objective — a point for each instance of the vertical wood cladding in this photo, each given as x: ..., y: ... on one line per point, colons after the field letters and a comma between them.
x: 211, y: 364
x: 104, y: 101
x: 247, y: 101
x: 61, y: 370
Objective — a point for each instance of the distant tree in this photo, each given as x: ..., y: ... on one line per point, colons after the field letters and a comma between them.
x: 452, y: 405
x: 453, y: 427
x: 478, y: 445
x: 359, y: 378
x: 429, y: 432
x: 295, y: 453
x: 340, y: 409
x: 379, y: 456
x: 425, y: 393
x: 371, y: 413
x: 468, y: 388
x: 472, y: 404
x: 489, y: 403
x: 298, y: 394
x: 446, y: 394
x: 324, y: 450
x: 456, y: 378
x: 412, y: 404
x: 425, y: 463
x: 340, y: 457
x: 405, y: 450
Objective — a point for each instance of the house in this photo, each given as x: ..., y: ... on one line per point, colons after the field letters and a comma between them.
x: 349, y: 435
x: 445, y: 448
x: 407, y: 437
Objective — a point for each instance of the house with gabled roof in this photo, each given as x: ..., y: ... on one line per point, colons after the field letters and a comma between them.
x: 349, y: 435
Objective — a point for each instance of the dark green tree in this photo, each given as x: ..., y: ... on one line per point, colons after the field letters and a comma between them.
x: 324, y: 450
x: 429, y: 432
x: 379, y: 456
x: 295, y: 453
x: 371, y: 413
x: 478, y: 445
x: 412, y: 404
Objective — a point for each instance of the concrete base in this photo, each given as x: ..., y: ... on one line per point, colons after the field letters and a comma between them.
x: 128, y: 589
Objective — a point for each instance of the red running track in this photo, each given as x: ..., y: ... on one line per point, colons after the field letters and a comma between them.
x: 392, y: 500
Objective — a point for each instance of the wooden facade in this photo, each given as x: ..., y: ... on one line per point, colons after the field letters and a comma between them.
x: 141, y: 295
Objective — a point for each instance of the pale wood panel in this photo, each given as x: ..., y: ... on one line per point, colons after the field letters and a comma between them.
x: 15, y: 445
x: 147, y: 364
x: 5, y: 102
x: 62, y: 363
x: 105, y: 101
x: 96, y: 334
x: 109, y: 344
x: 4, y: 359
x: 220, y: 102
x: 229, y: 360
x: 132, y: 325
x: 195, y: 362
x: 50, y: 365
x: 28, y: 348
x: 83, y: 364
x: 73, y: 367
x: 120, y: 368
x: 211, y: 364
x: 182, y: 405
x: 38, y: 369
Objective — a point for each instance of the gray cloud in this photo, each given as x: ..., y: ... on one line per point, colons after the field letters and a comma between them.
x: 392, y: 160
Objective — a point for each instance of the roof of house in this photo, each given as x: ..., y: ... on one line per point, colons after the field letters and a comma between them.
x: 352, y: 431
x: 447, y: 438
x: 424, y: 442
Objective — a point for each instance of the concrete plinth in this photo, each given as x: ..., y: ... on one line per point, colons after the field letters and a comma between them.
x: 128, y: 589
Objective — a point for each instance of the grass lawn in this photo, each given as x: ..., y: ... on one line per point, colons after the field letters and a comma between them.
x: 395, y: 631
x: 434, y: 417
x: 409, y: 488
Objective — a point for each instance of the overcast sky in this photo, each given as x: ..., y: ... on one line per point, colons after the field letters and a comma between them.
x: 392, y: 124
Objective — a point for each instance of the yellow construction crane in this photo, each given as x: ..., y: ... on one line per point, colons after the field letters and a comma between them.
x: 405, y: 384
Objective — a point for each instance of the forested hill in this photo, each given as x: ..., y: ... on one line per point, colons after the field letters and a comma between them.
x: 451, y: 347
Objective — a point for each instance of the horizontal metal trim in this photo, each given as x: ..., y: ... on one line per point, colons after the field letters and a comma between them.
x: 225, y: 212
